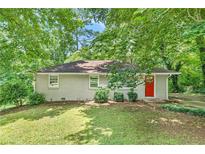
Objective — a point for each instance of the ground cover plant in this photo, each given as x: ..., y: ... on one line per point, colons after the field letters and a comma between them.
x: 184, y: 109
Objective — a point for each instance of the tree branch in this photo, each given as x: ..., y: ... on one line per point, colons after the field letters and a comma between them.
x: 190, y: 16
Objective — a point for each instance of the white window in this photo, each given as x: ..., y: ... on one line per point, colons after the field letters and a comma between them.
x: 93, y: 81
x: 53, y: 81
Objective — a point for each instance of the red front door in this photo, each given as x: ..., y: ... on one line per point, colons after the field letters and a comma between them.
x: 149, y: 86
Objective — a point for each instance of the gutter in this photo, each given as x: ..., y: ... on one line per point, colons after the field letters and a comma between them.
x: 95, y: 73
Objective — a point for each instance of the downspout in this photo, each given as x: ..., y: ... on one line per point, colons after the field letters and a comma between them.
x: 167, y: 87
x: 34, y: 82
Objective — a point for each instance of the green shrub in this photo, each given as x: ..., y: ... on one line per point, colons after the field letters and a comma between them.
x: 200, y: 90
x: 13, y: 92
x: 132, y: 96
x: 36, y: 98
x: 118, y: 96
x: 183, y: 109
x: 101, y: 95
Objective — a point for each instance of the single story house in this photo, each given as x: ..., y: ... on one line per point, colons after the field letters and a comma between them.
x: 79, y: 80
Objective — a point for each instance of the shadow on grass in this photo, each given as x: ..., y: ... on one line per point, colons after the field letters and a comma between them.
x: 107, y: 125
x: 129, y: 125
x: 112, y: 125
x: 90, y: 135
x: 97, y: 130
x: 33, y: 112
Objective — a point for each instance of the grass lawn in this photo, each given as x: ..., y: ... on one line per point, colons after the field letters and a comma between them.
x: 7, y: 106
x: 190, y: 99
x: 114, y: 124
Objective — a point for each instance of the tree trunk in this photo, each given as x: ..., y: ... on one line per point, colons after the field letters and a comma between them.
x: 175, y: 78
x: 176, y: 88
x: 201, y: 44
x: 203, y: 68
x: 170, y: 66
x: 202, y: 58
x: 77, y: 41
x: 20, y: 102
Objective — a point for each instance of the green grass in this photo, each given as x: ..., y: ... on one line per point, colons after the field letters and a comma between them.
x: 117, y: 124
x: 190, y: 99
x: 7, y: 106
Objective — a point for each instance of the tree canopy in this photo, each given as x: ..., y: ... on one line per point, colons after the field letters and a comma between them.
x: 172, y: 38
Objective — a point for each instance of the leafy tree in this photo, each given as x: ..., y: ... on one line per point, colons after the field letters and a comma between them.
x: 34, y: 38
x: 14, y: 92
x: 38, y: 37
x: 153, y: 37
x: 121, y: 76
x: 195, y: 33
x: 98, y: 15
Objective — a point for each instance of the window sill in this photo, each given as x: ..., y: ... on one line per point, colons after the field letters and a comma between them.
x: 125, y: 88
x: 53, y: 87
x: 92, y: 88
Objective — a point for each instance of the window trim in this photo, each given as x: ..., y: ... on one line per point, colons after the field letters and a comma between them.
x: 49, y: 76
x: 97, y: 82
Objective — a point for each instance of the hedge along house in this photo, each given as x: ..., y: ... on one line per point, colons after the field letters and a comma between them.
x: 78, y: 81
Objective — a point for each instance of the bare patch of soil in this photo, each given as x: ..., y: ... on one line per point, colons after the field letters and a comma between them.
x: 180, y: 123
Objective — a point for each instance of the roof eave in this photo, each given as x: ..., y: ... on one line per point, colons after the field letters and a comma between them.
x: 72, y: 73
x: 168, y: 73
x: 84, y: 73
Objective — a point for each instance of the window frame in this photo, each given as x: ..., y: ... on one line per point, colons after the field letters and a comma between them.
x: 49, y: 77
x: 98, y: 81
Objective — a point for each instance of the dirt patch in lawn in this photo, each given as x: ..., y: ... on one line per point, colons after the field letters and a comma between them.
x: 173, y: 123
x: 180, y: 123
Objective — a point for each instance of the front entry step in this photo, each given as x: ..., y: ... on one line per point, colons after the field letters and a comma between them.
x: 154, y: 100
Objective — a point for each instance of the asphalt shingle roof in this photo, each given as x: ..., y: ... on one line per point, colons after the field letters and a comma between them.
x: 84, y: 66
